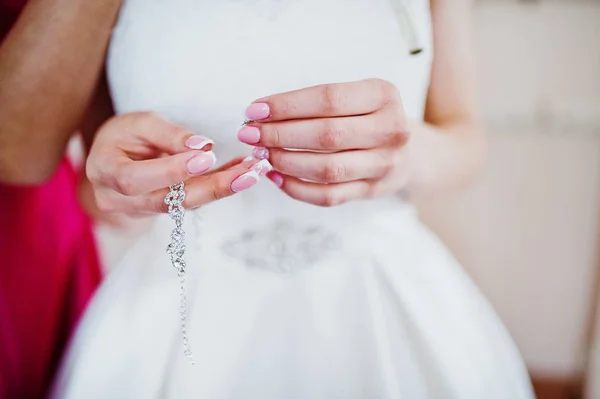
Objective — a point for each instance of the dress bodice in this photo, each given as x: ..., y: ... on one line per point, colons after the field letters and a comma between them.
x: 201, y: 62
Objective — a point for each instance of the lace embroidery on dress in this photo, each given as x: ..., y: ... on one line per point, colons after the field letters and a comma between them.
x: 283, y: 246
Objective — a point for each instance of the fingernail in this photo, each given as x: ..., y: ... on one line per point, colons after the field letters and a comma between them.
x: 201, y: 163
x: 258, y: 111
x: 276, y: 178
x: 245, y: 181
x: 260, y: 153
x: 249, y: 134
x: 262, y: 167
x: 248, y: 158
x: 198, y: 142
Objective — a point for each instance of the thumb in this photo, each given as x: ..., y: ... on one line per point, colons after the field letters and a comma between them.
x: 168, y: 136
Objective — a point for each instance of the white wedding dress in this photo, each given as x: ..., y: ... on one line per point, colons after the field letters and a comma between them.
x: 287, y: 300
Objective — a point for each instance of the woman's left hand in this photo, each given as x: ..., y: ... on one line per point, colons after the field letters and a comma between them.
x: 333, y: 143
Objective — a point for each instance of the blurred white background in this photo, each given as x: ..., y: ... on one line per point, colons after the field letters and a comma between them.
x: 529, y: 230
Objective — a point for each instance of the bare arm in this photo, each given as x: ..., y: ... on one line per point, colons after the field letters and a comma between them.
x: 50, y: 64
x: 449, y: 147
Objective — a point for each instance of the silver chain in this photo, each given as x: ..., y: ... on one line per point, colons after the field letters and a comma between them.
x: 176, y: 250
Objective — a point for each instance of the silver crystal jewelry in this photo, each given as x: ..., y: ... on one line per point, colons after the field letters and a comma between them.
x: 176, y: 250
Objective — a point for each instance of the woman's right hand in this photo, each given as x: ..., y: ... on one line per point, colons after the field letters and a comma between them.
x: 136, y: 156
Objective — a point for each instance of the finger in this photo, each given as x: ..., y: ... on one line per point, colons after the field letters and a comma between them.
x: 213, y: 187
x: 109, y: 201
x: 329, y: 100
x: 151, y: 129
x: 240, y: 162
x: 322, y: 194
x: 199, y: 190
x: 132, y: 178
x: 230, y: 164
x: 330, y: 134
x: 336, y: 167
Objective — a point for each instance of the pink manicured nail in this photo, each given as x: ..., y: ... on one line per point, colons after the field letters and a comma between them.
x: 258, y: 111
x: 201, y: 163
x: 262, y: 167
x: 260, y: 153
x: 249, y: 134
x: 198, y: 142
x: 245, y: 181
x: 276, y: 178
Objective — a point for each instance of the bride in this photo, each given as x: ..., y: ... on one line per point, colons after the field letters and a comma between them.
x: 321, y: 283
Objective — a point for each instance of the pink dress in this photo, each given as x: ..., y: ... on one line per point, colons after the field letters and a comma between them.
x: 48, y: 272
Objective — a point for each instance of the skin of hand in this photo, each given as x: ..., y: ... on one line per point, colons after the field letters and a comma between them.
x: 334, y: 143
x: 135, y: 156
